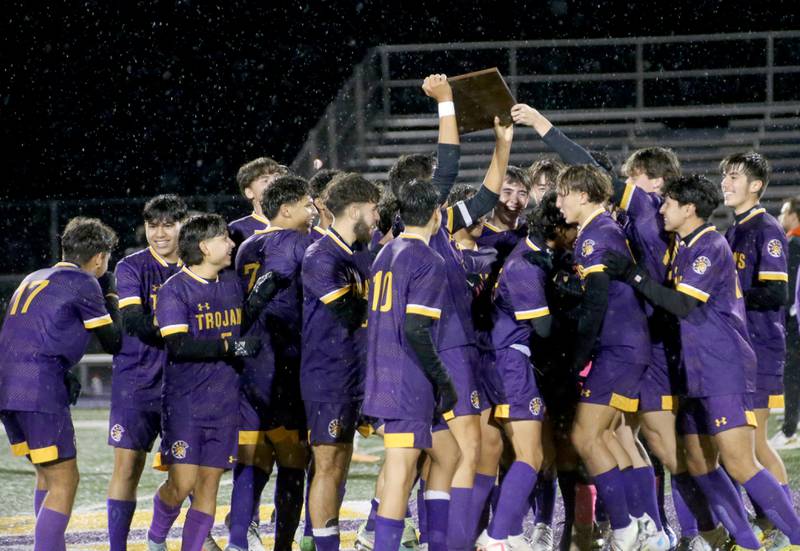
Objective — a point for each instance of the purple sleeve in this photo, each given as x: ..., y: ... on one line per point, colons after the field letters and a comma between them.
x: 92, y: 306
x: 526, y: 291
x: 638, y: 203
x: 129, y: 285
x: 772, y: 264
x: 701, y: 273
x: 322, y: 279
x: 425, y: 288
x: 172, y: 313
x: 286, y: 263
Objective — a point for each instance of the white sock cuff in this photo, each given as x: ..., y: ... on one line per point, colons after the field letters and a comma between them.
x: 324, y: 532
x: 435, y: 494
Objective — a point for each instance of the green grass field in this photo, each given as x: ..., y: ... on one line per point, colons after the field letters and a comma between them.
x: 87, y: 526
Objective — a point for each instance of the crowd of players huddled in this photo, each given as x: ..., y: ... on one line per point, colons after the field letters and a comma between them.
x: 499, y: 351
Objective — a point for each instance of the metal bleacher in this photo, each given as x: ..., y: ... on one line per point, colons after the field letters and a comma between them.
x: 734, y: 92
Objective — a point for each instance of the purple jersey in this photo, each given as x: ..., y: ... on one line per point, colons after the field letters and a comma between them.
x: 645, y: 230
x: 503, y: 241
x: 317, y: 233
x: 518, y: 298
x: 200, y: 393
x: 241, y: 229
x: 715, y: 351
x: 624, y: 333
x: 45, y: 333
x: 759, y: 251
x: 407, y: 278
x: 137, y: 369
x: 333, y: 358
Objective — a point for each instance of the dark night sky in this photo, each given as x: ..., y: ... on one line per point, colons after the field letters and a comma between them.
x: 127, y: 98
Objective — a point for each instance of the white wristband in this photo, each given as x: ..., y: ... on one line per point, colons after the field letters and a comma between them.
x: 447, y: 109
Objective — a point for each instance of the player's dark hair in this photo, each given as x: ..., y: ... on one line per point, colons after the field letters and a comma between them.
x: 695, y: 190
x: 549, y: 168
x: 794, y: 205
x: 348, y: 188
x: 167, y: 208
x: 655, y: 162
x: 197, y: 228
x: 418, y: 200
x: 320, y: 180
x: 546, y: 219
x: 387, y: 210
x: 85, y: 237
x: 255, y: 169
x: 519, y: 175
x: 284, y: 190
x: 410, y: 167
x: 754, y: 165
x: 592, y: 180
x: 460, y: 192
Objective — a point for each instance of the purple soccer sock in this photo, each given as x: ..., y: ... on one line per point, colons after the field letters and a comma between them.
x: 289, y: 492
x: 788, y: 491
x: 373, y: 512
x: 49, y: 532
x: 481, y: 488
x: 633, y: 493
x: 163, y: 518
x: 388, y: 532
x: 513, y: 501
x: 120, y: 514
x: 566, y: 483
x: 727, y: 506
x: 459, y: 531
x: 326, y: 539
x: 767, y: 492
x: 243, y: 502
x: 38, y: 500
x: 610, y: 487
x: 422, y: 518
x: 645, y: 479
x: 437, y: 507
x: 195, y: 530
x: 544, y: 498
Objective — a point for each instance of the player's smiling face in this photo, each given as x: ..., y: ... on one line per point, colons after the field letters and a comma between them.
x: 674, y: 214
x: 368, y: 218
x: 736, y: 190
x: 513, y: 197
x: 162, y: 235
x: 301, y: 214
x: 641, y: 180
x: 218, y: 250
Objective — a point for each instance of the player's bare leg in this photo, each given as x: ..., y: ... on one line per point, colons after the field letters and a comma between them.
x: 543, y: 497
x: 61, y: 480
x: 331, y: 463
x: 486, y: 473
x: 291, y: 455
x: 399, y: 471
x: 765, y: 453
x: 128, y: 467
x: 445, y: 456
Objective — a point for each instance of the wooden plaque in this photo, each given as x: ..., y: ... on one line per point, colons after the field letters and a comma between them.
x: 479, y: 97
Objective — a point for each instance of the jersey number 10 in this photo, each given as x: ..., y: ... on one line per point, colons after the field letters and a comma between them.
x: 382, y: 290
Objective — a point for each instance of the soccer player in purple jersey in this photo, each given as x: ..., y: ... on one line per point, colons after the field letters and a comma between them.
x: 504, y: 228
x: 406, y: 384
x: 718, y: 363
x: 253, y: 178
x: 759, y: 249
x: 45, y: 332
x: 612, y: 332
x: 543, y: 176
x: 135, y: 418
x: 201, y: 314
x: 334, y: 345
x: 316, y: 188
x: 270, y: 408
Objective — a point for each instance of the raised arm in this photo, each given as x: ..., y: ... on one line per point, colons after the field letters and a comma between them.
x: 449, y: 150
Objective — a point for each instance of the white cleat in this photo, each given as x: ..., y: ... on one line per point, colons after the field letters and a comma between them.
x: 491, y: 544
x: 409, y: 540
x: 254, y: 542
x: 782, y: 442
x: 650, y: 537
x: 153, y: 546
x: 542, y: 537
x: 625, y: 539
x: 234, y: 548
x: 518, y: 543
x: 717, y: 538
x: 673, y: 537
x: 210, y: 545
x: 365, y: 539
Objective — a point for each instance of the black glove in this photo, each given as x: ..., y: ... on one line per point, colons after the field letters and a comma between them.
x: 265, y: 289
x: 244, y: 347
x: 73, y: 387
x: 541, y: 259
x: 476, y: 284
x: 619, y: 266
x: 398, y: 227
x: 447, y: 397
x: 108, y: 283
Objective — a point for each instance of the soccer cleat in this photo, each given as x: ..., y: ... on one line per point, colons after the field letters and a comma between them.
x: 153, y: 546
x: 777, y: 541
x: 409, y: 540
x: 650, y: 537
x: 581, y: 539
x: 696, y: 543
x: 485, y: 543
x: 234, y: 548
x: 422, y: 547
x: 782, y: 442
x: 518, y: 543
x: 307, y: 543
x: 673, y: 537
x: 254, y: 542
x: 365, y: 539
x: 210, y: 545
x: 542, y: 537
x: 625, y: 539
x: 717, y: 538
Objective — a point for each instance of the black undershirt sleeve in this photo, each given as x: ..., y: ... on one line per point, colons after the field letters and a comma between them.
x: 590, y: 316
x: 350, y: 310
x: 476, y: 206
x: 140, y: 325
x: 110, y: 336
x: 676, y: 303
x: 184, y: 348
x: 446, y: 171
x: 543, y: 326
x: 417, y: 331
x: 769, y: 295
x: 569, y: 151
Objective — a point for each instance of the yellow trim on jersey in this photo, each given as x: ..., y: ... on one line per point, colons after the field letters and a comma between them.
x: 669, y: 403
x: 750, y: 416
x: 776, y: 401
x: 625, y: 202
x: 449, y: 415
x: 773, y: 276
x: 319, y: 230
x: 751, y: 215
x: 160, y: 259
x: 693, y: 292
x: 623, y: 403
x: 591, y: 217
x: 450, y: 222
x: 260, y: 218
x: 532, y: 314
x: 44, y: 455
x: 174, y: 329
x: 493, y: 228
x: 333, y: 295
x: 251, y: 437
x: 63, y: 264
x: 339, y: 242
x: 434, y: 313
x: 532, y: 245
x: 406, y: 235
x: 158, y: 464
x: 94, y: 323
x: 129, y: 301
x: 398, y: 440
x: 193, y: 275
x: 502, y: 411
x: 699, y: 235
x: 20, y: 449
x: 593, y: 269
x: 269, y: 229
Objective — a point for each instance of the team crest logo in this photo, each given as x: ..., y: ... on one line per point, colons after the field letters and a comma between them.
x: 474, y: 399
x: 587, y: 247
x: 116, y: 432
x: 335, y: 428
x: 775, y: 248
x: 179, y: 449
x: 701, y: 264
x: 535, y: 406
